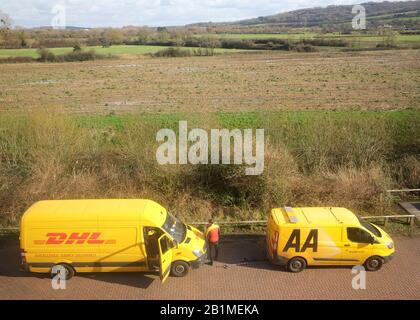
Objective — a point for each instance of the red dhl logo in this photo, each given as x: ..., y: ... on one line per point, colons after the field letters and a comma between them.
x: 74, y: 238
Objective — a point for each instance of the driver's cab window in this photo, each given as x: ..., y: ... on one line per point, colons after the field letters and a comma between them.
x: 358, y: 235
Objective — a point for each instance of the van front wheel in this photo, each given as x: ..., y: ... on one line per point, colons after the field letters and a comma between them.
x: 296, y: 264
x: 180, y: 268
x: 374, y: 263
x: 67, y: 269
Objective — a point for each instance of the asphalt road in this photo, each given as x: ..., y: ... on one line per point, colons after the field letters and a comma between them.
x: 230, y: 278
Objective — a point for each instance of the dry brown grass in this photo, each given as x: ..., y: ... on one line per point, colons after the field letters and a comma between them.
x: 51, y: 156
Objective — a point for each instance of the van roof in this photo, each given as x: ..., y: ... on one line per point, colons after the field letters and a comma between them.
x: 325, y: 216
x: 100, y: 209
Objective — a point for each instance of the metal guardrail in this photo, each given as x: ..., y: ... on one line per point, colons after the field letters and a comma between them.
x: 232, y: 223
x: 11, y: 229
x: 403, y: 190
x: 410, y: 220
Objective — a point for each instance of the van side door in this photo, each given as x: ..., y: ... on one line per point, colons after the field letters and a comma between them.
x: 165, y: 257
x: 357, y: 245
x: 329, y: 248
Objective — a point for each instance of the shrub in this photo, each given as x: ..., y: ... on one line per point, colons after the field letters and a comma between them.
x: 17, y: 60
x: 77, y: 47
x: 45, y: 55
x: 304, y: 48
x: 204, y: 52
x: 77, y: 55
x: 173, y: 52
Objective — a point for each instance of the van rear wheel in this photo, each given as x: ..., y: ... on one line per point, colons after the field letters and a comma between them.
x: 180, y: 268
x: 296, y: 264
x: 374, y: 263
x: 67, y: 270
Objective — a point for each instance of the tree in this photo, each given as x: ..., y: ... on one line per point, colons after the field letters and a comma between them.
x: 143, y: 34
x: 162, y: 29
x: 390, y: 38
x: 5, y: 24
x: 77, y: 47
x: 22, y: 39
x: 5, y: 20
x: 111, y: 37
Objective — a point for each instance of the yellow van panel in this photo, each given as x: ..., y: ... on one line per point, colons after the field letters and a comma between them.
x: 91, y: 235
x: 319, y: 235
x: 314, y: 244
x: 90, y: 210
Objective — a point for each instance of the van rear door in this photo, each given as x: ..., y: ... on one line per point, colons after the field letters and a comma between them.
x: 165, y: 257
x: 272, y: 237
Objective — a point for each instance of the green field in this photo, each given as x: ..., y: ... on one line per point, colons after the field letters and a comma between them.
x: 312, y: 35
x: 131, y: 50
x: 294, y: 36
x: 114, y: 50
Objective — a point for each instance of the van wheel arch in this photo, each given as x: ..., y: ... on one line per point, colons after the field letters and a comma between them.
x: 180, y: 268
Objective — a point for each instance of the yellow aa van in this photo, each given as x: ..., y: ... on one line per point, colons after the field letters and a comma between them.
x: 108, y: 236
x: 300, y: 237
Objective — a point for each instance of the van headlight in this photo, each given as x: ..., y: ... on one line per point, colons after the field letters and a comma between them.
x: 197, y: 253
x: 390, y: 245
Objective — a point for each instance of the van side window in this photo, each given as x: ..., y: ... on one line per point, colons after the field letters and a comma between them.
x: 358, y: 235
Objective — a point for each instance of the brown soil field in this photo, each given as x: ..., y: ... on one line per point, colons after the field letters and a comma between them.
x: 379, y: 80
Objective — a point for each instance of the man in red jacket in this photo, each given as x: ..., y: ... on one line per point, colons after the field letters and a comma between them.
x: 212, y: 237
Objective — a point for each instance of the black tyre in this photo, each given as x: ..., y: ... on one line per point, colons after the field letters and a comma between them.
x: 69, y: 271
x: 296, y: 264
x: 180, y: 268
x: 374, y: 263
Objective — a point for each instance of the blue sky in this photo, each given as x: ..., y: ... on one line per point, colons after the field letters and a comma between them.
x: 114, y: 13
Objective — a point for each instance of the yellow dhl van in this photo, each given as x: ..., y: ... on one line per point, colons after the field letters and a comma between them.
x: 108, y: 236
x: 300, y: 237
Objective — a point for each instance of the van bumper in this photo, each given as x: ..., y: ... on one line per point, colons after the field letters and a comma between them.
x: 199, y: 262
x: 388, y: 258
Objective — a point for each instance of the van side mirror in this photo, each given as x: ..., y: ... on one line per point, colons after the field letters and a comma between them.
x: 372, y: 240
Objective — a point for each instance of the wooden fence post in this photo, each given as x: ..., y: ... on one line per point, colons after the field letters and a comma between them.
x: 412, y: 222
x: 386, y: 221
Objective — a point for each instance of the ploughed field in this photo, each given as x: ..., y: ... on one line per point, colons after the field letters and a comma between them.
x: 258, y: 81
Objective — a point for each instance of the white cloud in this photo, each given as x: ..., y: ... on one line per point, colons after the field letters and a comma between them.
x: 30, y: 13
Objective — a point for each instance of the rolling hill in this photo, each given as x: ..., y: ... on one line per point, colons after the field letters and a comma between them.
x: 402, y: 13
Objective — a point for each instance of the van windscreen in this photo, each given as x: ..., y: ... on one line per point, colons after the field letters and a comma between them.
x: 176, y: 229
x: 370, y: 227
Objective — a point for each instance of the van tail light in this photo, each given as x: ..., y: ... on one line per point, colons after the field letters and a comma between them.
x: 275, y: 243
